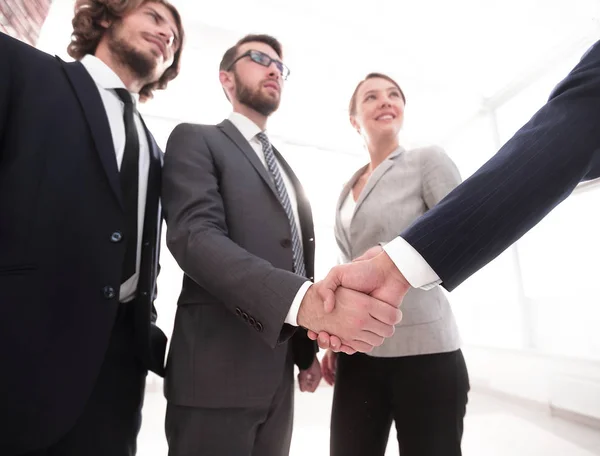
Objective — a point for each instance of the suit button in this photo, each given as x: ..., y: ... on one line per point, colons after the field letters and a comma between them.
x: 109, y: 292
x: 252, y: 321
x: 147, y: 244
x: 259, y: 326
x: 311, y: 278
x: 117, y: 236
x: 311, y: 240
x: 287, y: 243
x: 238, y: 311
x: 245, y: 316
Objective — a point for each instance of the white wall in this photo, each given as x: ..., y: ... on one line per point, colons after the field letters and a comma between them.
x: 555, y: 383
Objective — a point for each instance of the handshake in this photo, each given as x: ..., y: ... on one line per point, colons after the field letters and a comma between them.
x: 356, y: 307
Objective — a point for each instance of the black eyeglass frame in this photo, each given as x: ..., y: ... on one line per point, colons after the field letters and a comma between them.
x: 265, y: 60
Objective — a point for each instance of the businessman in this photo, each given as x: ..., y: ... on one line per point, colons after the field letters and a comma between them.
x: 528, y: 177
x: 240, y: 227
x: 80, y: 231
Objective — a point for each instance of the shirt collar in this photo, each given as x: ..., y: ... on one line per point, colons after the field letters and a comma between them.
x: 103, y: 75
x: 247, y: 128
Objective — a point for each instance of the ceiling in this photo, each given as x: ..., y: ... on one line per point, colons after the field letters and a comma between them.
x: 452, y: 59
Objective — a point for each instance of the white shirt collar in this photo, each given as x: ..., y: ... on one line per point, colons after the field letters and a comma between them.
x: 247, y: 128
x: 103, y: 75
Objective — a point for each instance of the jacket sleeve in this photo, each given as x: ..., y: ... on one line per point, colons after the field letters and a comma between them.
x: 197, y: 236
x: 531, y: 174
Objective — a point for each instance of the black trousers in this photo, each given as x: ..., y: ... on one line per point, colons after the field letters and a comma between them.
x: 111, y: 419
x: 425, y: 395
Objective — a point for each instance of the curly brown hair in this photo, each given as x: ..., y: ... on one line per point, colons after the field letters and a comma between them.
x: 88, y: 32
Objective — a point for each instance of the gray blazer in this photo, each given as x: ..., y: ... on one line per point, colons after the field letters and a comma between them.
x: 230, y: 234
x: 400, y: 189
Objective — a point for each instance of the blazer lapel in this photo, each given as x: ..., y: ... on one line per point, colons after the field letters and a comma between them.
x: 234, y: 134
x: 95, y: 114
x: 377, y: 174
x: 304, y: 214
x: 339, y: 229
x: 153, y: 217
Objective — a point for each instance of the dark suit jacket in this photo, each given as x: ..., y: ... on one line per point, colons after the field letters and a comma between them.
x: 532, y: 173
x: 231, y: 236
x: 60, y: 272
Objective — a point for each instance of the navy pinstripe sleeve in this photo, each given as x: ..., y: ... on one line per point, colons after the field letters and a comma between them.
x: 531, y: 174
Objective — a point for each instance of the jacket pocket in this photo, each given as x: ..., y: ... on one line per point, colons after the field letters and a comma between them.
x: 16, y: 269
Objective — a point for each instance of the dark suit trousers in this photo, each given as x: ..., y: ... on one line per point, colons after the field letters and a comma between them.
x: 425, y: 395
x: 111, y: 419
x: 256, y: 431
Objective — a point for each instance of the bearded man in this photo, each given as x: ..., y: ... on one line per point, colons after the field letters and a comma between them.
x: 240, y: 227
x: 80, y: 230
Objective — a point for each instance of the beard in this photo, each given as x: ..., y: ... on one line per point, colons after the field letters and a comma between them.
x: 255, y: 99
x: 141, y: 65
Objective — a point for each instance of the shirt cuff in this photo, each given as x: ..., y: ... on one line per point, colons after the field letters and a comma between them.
x: 411, y: 264
x: 292, y: 316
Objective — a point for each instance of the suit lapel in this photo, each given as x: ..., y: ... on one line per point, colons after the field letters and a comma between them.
x: 304, y: 214
x: 153, y: 219
x: 234, y: 135
x: 340, y: 231
x: 95, y: 114
x: 376, y: 176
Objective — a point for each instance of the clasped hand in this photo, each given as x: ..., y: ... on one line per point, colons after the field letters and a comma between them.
x: 357, y: 305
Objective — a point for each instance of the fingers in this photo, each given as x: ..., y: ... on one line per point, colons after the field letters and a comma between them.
x: 347, y: 350
x: 307, y: 382
x: 372, y: 252
x: 301, y: 382
x: 312, y: 335
x: 366, y: 340
x: 327, y: 288
x: 379, y: 329
x: 357, y: 345
x: 324, y: 340
x: 363, y: 318
x: 335, y: 342
x: 328, y: 366
x: 384, y: 313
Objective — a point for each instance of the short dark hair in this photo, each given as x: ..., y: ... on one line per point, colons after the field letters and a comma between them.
x: 231, y: 53
x: 352, y: 107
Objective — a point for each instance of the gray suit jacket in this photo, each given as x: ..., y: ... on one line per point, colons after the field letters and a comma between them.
x: 230, y: 235
x: 402, y: 188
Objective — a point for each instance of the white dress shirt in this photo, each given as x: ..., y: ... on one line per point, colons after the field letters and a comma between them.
x: 249, y: 130
x: 347, y: 212
x: 106, y: 80
x: 411, y: 264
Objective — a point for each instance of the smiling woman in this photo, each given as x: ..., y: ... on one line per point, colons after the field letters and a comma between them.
x: 158, y: 23
x: 417, y: 377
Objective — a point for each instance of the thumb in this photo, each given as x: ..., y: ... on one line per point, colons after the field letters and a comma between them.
x: 327, y: 287
x: 372, y: 252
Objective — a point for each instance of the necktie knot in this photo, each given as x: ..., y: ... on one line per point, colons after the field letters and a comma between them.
x: 125, y: 96
x: 263, y: 139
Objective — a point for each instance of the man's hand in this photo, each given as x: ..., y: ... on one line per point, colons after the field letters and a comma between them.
x: 375, y: 274
x: 329, y: 366
x: 361, y: 321
x: 310, y: 378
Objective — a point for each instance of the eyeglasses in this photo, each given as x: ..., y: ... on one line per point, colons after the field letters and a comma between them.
x: 263, y: 59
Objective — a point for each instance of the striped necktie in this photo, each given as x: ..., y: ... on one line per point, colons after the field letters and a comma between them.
x: 273, y: 167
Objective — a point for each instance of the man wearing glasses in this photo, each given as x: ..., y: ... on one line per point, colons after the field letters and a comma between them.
x: 240, y: 227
